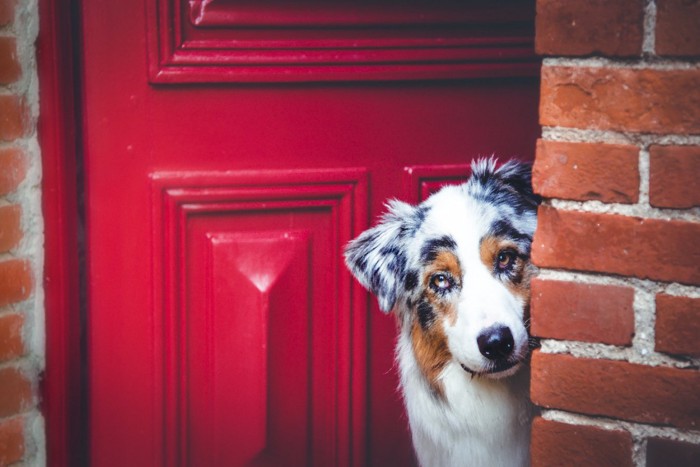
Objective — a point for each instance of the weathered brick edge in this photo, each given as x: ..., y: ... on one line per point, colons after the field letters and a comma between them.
x: 22, y: 437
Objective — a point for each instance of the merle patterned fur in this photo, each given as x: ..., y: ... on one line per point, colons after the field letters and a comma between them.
x: 378, y: 257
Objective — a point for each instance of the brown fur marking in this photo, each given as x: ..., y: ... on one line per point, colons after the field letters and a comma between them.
x: 445, y: 261
x: 431, y: 351
x: 430, y: 345
x: 523, y: 270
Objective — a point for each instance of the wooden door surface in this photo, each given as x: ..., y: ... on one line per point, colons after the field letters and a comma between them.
x: 230, y: 149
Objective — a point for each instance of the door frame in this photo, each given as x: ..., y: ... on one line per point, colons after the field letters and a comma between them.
x: 62, y: 385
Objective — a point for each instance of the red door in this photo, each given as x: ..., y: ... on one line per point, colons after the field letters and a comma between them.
x: 231, y: 148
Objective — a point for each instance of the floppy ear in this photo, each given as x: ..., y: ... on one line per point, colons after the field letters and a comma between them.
x: 377, y: 258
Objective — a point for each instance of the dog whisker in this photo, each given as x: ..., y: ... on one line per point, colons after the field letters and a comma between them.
x: 533, y: 343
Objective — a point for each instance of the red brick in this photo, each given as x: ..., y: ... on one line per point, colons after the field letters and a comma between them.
x: 7, y: 11
x: 14, y: 119
x: 666, y: 452
x: 15, y: 281
x: 561, y: 444
x: 10, y: 230
x: 10, y: 69
x: 11, y: 440
x: 673, y: 176
x: 621, y: 99
x: 677, y: 325
x: 11, y: 344
x: 677, y: 26
x: 582, y: 312
x: 13, y: 169
x: 664, y: 250
x: 581, y: 27
x: 587, y: 171
x: 16, y: 394
x: 618, y: 389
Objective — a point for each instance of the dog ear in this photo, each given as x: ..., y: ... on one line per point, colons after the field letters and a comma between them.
x: 510, y: 184
x: 377, y: 258
x: 518, y: 176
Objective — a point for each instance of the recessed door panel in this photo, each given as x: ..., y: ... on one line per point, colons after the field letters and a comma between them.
x: 312, y: 40
x: 255, y: 315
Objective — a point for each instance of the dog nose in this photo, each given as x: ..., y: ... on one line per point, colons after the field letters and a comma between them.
x: 495, y: 342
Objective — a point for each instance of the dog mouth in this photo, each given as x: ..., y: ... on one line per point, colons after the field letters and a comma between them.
x: 494, y: 368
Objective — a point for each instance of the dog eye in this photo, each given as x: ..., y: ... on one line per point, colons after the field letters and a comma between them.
x: 441, y: 282
x: 506, y: 260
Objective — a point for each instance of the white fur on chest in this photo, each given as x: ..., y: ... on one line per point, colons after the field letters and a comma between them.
x: 478, y: 422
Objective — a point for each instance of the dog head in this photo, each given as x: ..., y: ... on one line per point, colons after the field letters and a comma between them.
x: 456, y: 270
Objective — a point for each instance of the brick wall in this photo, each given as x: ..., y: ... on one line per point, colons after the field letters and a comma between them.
x: 617, y: 303
x: 21, y: 255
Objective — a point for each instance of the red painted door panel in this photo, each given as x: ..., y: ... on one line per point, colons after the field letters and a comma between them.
x: 231, y: 149
x: 248, y: 298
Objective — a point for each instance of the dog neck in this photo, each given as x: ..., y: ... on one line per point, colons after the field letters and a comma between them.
x: 475, y: 420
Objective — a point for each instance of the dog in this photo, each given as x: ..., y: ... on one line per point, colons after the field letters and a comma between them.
x: 456, y: 272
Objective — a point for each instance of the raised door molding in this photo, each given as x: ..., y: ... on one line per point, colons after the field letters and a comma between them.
x: 421, y: 181
x: 259, y: 331
x: 215, y: 41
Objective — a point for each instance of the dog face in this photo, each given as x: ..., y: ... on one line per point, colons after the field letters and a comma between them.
x: 456, y: 271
